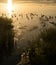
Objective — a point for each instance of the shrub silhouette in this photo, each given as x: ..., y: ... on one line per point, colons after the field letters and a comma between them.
x: 6, y: 38
x: 47, y: 46
x: 44, y: 48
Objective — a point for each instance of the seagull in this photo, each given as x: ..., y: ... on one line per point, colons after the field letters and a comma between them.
x: 44, y: 18
x: 27, y: 16
x: 50, y: 17
x: 15, y: 15
x: 36, y: 14
x: 31, y: 14
x: 21, y: 15
x: 12, y: 16
x: 53, y: 23
x: 42, y: 15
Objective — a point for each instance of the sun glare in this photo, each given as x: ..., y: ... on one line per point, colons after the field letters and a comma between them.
x: 9, y: 7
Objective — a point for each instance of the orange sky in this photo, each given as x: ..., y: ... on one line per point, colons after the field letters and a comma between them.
x: 25, y: 0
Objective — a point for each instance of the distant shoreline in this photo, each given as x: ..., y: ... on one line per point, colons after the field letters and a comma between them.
x: 39, y: 2
x: 35, y: 2
x: 32, y: 2
x: 29, y: 2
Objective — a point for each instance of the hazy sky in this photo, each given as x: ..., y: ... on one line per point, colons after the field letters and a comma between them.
x: 26, y: 0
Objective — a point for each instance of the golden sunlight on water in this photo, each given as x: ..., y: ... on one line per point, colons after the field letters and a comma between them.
x: 22, y: 21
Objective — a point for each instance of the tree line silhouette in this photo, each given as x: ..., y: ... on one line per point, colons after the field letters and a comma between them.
x: 6, y: 38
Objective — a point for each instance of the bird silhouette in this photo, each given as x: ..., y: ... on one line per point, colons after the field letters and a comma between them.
x: 11, y: 16
x: 27, y: 16
x: 21, y: 15
x: 50, y: 17
x: 31, y: 15
x: 15, y: 15
x: 36, y: 14
x: 44, y: 18
x: 42, y: 15
x: 53, y: 23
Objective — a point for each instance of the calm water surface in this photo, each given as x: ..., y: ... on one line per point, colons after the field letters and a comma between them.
x: 24, y: 26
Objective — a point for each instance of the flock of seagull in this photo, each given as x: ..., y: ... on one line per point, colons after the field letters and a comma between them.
x: 30, y: 16
x: 20, y: 15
